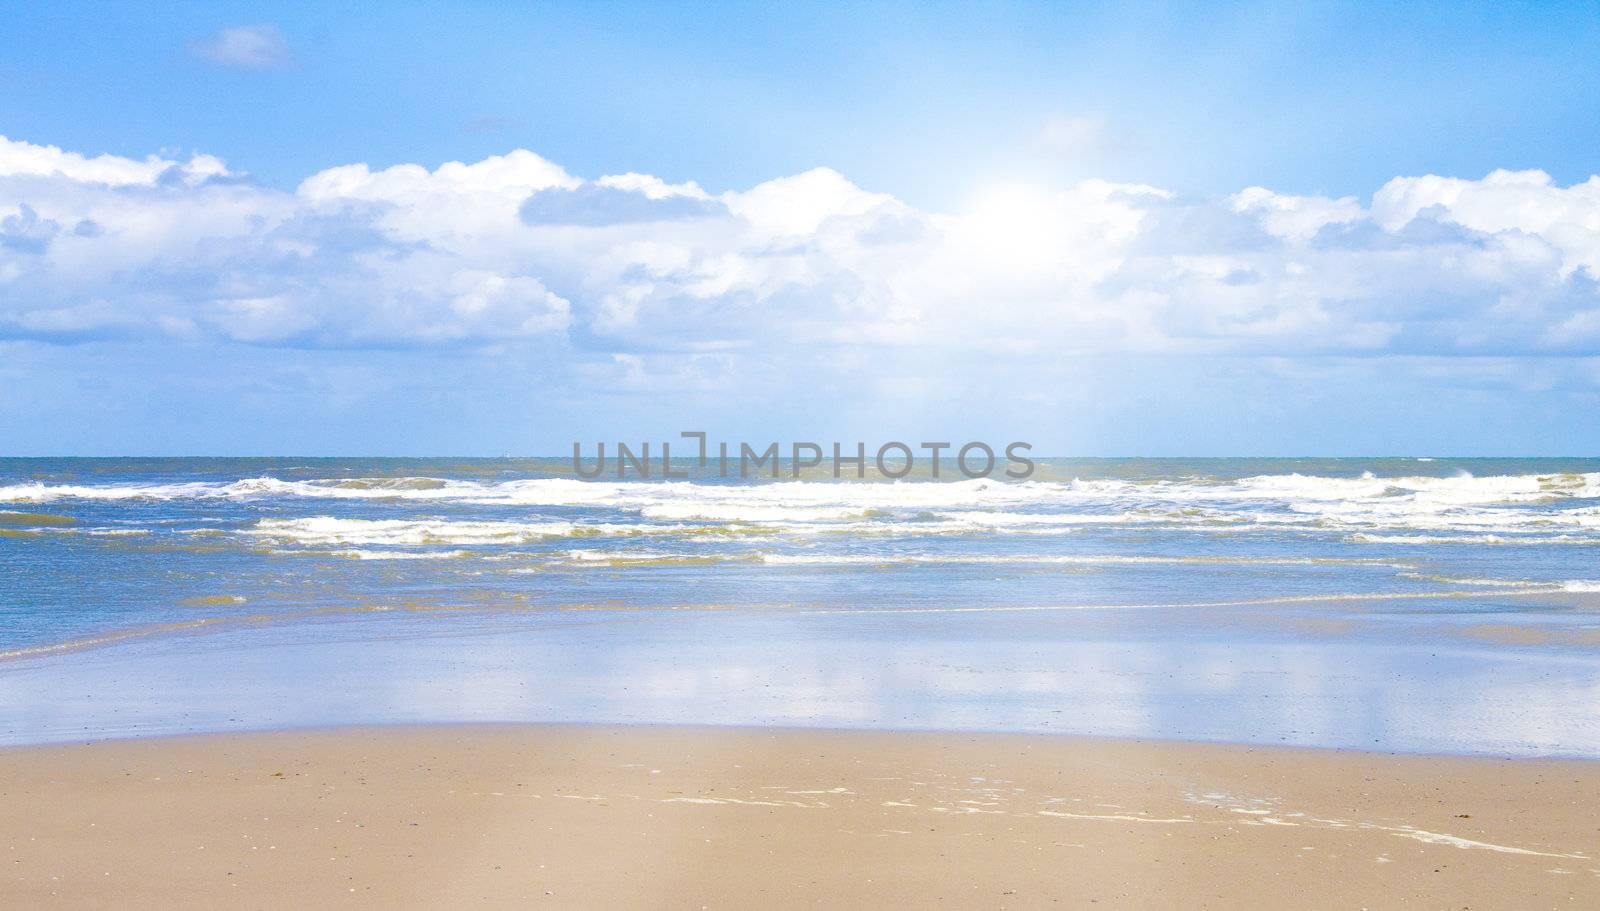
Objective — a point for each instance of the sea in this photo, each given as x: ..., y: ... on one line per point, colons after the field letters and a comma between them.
x: 1412, y: 605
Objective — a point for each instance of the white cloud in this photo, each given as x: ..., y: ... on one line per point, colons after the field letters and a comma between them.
x: 516, y: 249
x: 504, y: 179
x: 1529, y: 202
x: 22, y: 159
x: 1295, y: 217
x: 246, y: 47
x: 798, y: 205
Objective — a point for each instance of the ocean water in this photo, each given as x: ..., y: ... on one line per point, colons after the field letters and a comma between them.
x: 1383, y: 603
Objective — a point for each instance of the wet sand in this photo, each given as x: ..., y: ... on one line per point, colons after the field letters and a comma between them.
x: 611, y: 816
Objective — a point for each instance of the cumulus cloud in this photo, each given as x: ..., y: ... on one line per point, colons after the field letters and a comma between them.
x: 245, y: 47
x: 630, y: 270
x: 21, y: 160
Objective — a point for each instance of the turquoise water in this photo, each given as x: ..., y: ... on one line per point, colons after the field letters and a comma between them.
x: 1401, y: 604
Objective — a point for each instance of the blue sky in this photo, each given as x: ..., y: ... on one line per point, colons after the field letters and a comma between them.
x: 1018, y: 221
x: 903, y: 98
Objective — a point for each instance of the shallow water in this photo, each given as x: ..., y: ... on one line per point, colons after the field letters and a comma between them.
x: 1392, y: 604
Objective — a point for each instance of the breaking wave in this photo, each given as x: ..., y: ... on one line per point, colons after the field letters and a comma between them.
x: 1464, y: 509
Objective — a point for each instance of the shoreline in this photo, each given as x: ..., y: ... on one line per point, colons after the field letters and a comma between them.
x: 335, y: 728
x: 638, y: 815
x: 115, y: 635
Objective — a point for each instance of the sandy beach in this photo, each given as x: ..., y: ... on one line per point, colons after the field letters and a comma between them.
x: 811, y: 455
x: 617, y: 816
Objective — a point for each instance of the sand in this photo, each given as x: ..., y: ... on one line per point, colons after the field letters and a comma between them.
x: 592, y: 817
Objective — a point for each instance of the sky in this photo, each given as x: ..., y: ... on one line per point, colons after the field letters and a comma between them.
x: 484, y: 228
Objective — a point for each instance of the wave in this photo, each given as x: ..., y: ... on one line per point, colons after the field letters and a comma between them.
x: 358, y: 554
x: 1366, y: 507
x: 1463, y: 489
x: 745, y: 512
x: 328, y: 530
x: 37, y: 532
x: 1363, y: 538
x: 1560, y: 585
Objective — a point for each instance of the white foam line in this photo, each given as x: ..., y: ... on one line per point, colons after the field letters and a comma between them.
x: 1434, y: 838
x: 1111, y: 817
x: 1258, y: 805
x: 749, y: 803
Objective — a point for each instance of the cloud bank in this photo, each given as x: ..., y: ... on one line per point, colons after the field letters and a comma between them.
x: 515, y: 249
